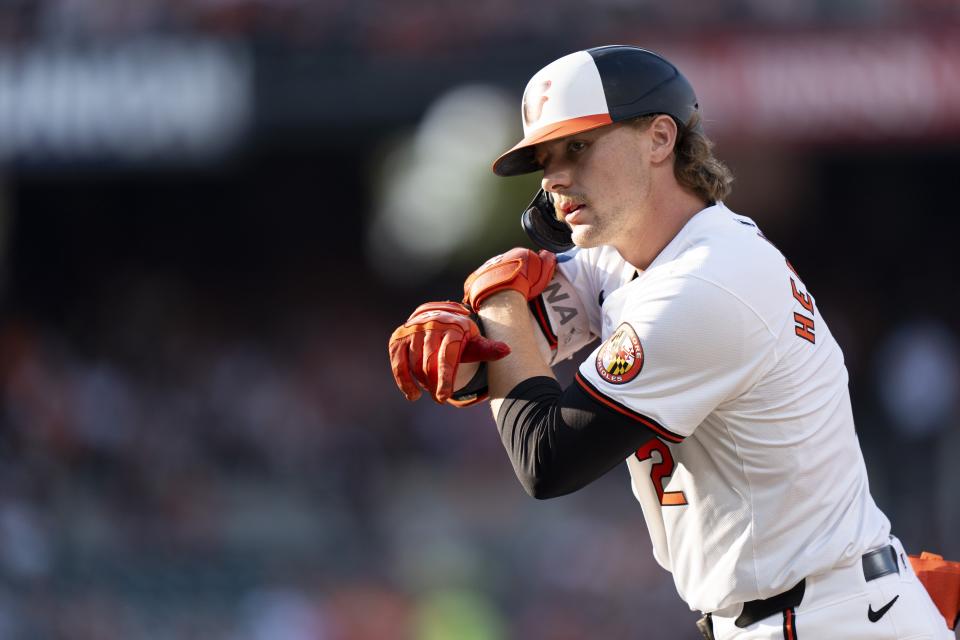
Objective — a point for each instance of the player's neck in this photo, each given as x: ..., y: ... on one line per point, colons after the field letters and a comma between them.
x: 666, y: 213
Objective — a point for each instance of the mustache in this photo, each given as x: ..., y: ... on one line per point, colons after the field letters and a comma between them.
x: 565, y: 202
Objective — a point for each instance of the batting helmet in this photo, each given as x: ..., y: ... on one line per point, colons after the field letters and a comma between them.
x: 582, y: 91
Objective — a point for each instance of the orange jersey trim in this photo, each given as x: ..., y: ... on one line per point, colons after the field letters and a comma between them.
x: 610, y: 403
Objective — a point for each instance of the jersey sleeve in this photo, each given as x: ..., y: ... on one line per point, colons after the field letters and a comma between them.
x: 594, y: 273
x: 562, y: 318
x: 577, y: 267
x: 680, y: 348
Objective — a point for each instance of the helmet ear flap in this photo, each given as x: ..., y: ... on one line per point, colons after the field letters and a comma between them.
x: 540, y: 222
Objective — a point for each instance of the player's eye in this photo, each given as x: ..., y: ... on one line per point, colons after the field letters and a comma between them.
x: 576, y: 146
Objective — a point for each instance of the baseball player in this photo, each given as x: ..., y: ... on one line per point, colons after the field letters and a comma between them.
x: 716, y: 378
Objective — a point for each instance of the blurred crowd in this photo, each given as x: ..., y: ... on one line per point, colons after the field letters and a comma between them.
x: 164, y: 478
x: 179, y: 463
x: 374, y: 25
x: 174, y: 482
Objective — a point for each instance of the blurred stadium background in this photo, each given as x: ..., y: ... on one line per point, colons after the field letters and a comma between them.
x: 213, y: 213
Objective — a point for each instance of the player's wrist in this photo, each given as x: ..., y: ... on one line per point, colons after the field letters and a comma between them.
x: 506, y: 315
x: 507, y: 300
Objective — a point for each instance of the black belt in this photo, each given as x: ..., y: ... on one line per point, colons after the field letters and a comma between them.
x: 876, y: 564
x: 880, y: 562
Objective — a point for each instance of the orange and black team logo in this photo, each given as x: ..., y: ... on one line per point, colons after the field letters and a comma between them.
x: 620, y: 358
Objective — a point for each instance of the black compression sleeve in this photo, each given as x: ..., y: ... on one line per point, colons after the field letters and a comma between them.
x: 562, y: 440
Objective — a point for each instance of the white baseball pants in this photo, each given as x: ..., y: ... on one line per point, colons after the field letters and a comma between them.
x: 842, y: 605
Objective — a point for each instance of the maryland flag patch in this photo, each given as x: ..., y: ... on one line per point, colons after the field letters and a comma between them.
x: 620, y: 358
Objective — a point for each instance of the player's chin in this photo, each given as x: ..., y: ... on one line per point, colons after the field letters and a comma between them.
x: 585, y: 236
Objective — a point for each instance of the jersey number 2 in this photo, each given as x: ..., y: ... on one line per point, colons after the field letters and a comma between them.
x: 661, y: 470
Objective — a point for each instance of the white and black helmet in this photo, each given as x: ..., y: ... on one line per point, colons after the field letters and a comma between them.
x: 582, y: 91
x: 593, y: 88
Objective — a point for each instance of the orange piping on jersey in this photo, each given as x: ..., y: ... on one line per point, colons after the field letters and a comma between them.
x: 789, y: 627
x: 649, y: 423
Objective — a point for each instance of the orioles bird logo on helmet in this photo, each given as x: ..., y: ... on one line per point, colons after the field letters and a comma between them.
x: 533, y: 102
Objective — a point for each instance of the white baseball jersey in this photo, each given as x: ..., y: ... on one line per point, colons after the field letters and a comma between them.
x: 757, y: 479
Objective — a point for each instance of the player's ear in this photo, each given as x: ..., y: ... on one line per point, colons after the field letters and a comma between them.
x: 663, y: 136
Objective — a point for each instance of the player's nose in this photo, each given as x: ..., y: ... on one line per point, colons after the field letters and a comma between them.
x: 555, y: 179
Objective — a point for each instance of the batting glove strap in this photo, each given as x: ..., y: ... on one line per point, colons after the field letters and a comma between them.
x: 477, y: 390
x: 519, y: 269
x: 474, y: 391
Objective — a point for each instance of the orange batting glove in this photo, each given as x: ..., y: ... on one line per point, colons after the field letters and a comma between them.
x: 431, y: 344
x: 518, y: 269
